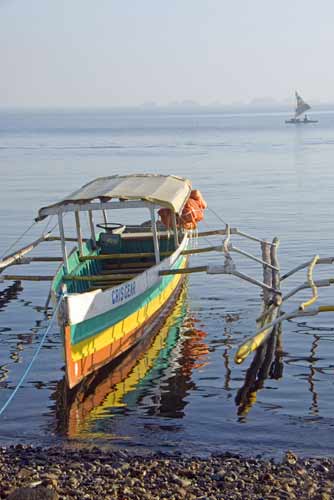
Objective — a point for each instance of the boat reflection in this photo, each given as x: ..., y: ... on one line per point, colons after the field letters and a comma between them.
x: 156, y: 374
x: 267, y: 362
x: 10, y: 293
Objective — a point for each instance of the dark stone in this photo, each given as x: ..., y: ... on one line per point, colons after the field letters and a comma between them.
x: 39, y: 493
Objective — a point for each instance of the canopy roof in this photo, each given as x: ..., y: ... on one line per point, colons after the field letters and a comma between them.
x: 164, y: 190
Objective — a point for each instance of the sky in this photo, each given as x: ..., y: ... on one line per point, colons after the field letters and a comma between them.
x: 105, y: 53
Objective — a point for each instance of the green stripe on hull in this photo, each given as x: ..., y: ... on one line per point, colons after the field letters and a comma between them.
x: 93, y: 326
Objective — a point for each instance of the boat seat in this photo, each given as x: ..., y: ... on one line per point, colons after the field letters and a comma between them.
x: 133, y: 270
x: 127, y: 265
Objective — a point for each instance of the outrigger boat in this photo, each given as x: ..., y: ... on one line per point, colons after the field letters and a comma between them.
x: 114, y: 287
x: 116, y: 284
x: 113, y: 290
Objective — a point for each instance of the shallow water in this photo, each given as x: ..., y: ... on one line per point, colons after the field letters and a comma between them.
x: 184, y: 392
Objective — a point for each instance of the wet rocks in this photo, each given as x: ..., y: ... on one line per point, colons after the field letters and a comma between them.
x: 33, y: 473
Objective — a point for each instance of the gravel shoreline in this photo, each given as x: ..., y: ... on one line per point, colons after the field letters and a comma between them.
x: 51, y: 473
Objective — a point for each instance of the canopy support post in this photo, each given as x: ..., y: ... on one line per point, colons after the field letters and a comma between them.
x: 79, y: 234
x: 155, y: 236
x: 92, y: 228
x: 62, y: 240
x: 176, y: 236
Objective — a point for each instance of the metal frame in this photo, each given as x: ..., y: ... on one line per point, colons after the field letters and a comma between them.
x: 73, y: 207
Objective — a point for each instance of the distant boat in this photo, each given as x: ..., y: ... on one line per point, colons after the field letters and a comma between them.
x: 301, y: 108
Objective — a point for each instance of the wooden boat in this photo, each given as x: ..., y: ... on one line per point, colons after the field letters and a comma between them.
x: 115, y: 286
x: 112, y: 284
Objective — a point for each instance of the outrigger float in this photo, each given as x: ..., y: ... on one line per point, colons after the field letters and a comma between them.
x: 114, y: 287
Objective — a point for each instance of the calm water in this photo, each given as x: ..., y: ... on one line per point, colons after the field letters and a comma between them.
x: 182, y: 391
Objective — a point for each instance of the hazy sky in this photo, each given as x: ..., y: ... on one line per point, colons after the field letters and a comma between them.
x: 126, y: 52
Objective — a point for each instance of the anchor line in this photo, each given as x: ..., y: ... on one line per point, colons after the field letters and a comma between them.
x: 18, y: 239
x: 33, y: 359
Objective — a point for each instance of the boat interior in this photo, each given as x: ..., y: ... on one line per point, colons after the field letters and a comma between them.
x: 128, y: 251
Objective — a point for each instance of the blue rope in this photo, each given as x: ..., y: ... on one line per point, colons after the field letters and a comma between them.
x: 22, y: 379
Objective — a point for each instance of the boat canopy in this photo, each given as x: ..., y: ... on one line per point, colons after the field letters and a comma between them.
x: 164, y: 190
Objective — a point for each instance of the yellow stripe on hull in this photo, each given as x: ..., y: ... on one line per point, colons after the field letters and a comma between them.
x: 129, y: 324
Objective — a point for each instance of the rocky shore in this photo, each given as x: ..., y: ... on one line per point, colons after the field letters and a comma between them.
x: 38, y: 473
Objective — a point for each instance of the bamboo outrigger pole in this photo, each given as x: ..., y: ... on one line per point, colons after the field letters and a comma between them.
x: 262, y: 334
x: 15, y: 257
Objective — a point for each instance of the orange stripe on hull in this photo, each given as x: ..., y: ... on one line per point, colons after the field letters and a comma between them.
x: 78, y: 370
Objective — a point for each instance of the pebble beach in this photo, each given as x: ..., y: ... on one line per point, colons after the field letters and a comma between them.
x: 51, y: 473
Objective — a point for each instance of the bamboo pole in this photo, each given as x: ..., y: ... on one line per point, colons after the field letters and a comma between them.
x: 69, y: 239
x: 99, y: 277
x: 190, y: 251
x: 127, y: 265
x: 121, y: 256
x: 318, y: 284
x: 220, y: 232
x: 250, y: 237
x: 186, y: 270
x: 133, y: 270
x: 252, y: 257
x: 27, y: 260
x: 12, y: 258
x: 16, y: 277
x: 323, y: 260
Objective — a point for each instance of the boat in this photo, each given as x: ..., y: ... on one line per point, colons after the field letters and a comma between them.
x: 301, y: 107
x: 116, y: 284
x: 112, y: 289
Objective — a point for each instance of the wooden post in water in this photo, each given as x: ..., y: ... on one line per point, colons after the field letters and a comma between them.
x: 277, y: 330
x: 267, y: 272
x: 276, y: 280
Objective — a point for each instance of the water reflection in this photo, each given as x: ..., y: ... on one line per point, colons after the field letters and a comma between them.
x: 267, y: 362
x: 10, y: 293
x: 156, y: 377
x: 156, y: 374
x: 311, y: 378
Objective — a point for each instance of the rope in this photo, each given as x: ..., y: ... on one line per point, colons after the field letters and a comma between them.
x: 47, y: 225
x: 218, y: 216
x: 17, y: 240
x: 27, y: 370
